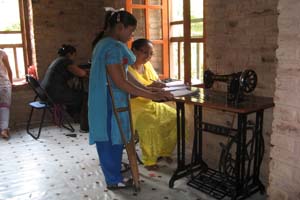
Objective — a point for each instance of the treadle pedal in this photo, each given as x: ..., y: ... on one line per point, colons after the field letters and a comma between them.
x: 212, y: 183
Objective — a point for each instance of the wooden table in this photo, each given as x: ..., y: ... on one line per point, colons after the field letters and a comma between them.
x: 240, y: 160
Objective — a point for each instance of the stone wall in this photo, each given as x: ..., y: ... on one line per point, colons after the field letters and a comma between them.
x: 65, y: 22
x: 285, y: 139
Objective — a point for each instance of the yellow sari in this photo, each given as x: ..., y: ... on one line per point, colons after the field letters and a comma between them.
x: 155, y: 122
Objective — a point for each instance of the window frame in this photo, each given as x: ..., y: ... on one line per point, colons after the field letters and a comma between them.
x: 164, y: 41
x: 187, y: 40
x: 24, y: 6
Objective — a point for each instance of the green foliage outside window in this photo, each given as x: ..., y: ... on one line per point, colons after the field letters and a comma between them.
x: 13, y: 27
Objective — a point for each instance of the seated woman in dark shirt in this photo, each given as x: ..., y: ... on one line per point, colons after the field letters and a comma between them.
x: 55, y: 82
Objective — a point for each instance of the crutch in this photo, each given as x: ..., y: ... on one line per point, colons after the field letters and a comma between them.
x: 129, y: 145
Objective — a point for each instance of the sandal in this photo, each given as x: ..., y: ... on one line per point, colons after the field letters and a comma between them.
x: 152, y: 167
x: 168, y: 159
x: 5, y: 134
x: 126, y: 183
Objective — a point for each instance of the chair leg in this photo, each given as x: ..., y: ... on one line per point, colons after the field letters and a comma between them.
x: 29, y: 121
x: 136, y: 141
x: 126, y: 165
x: 139, y: 160
x: 69, y: 125
x: 64, y: 118
x: 41, y: 124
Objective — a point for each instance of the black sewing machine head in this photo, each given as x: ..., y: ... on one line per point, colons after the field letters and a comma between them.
x: 237, y: 83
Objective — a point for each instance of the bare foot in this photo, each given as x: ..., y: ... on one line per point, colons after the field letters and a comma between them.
x: 152, y: 167
x: 5, y: 134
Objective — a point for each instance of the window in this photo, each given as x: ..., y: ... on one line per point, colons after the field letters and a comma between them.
x: 14, y: 37
x: 186, y: 40
x: 177, y: 27
x: 152, y: 16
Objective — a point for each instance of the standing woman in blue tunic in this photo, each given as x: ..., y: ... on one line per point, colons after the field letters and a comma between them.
x: 110, y: 60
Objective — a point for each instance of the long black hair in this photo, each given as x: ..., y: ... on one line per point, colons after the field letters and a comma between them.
x: 112, y: 19
x: 139, y: 43
x: 65, y: 49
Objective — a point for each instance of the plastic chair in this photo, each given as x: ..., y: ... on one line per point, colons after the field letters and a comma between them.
x: 43, y: 102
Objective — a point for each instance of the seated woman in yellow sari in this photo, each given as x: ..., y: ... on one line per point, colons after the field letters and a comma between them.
x: 155, y: 122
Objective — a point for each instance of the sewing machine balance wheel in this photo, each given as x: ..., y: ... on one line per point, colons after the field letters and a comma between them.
x: 248, y: 80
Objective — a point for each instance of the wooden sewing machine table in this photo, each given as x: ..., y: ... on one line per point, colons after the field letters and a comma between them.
x: 240, y: 160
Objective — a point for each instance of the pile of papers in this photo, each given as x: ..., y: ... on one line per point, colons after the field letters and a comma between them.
x: 178, y: 89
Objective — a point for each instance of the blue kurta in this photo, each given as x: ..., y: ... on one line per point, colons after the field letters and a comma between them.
x: 107, y: 51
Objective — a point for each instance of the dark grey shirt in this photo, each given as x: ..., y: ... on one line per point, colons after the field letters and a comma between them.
x: 56, y: 79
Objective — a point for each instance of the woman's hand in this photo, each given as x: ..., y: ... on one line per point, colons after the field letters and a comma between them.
x: 118, y: 76
x: 154, y: 89
x: 77, y: 71
x: 162, y: 96
x: 157, y: 84
x: 87, y: 71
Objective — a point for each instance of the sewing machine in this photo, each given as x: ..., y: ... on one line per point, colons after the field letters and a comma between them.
x: 237, y: 83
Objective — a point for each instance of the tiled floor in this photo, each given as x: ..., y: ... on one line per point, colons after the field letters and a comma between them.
x: 57, y: 167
